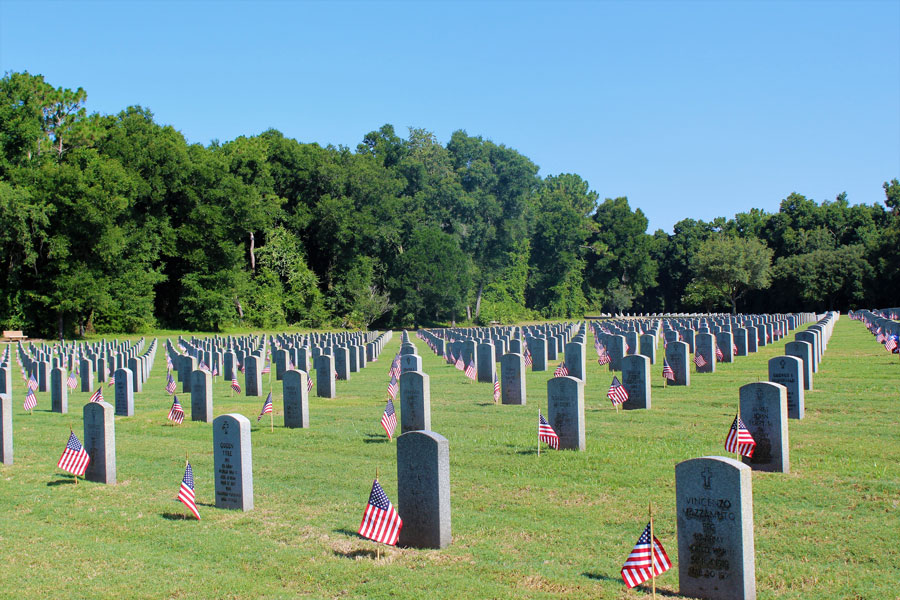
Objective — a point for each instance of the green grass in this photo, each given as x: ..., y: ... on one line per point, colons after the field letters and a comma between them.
x: 558, y: 526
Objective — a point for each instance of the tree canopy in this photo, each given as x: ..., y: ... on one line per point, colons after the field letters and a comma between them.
x: 114, y: 223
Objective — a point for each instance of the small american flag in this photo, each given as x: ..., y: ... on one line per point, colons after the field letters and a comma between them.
x: 32, y: 383
x: 203, y: 366
x: 496, y: 388
x: 639, y: 566
x: 186, y: 492
x: 617, y: 392
x: 562, y: 370
x: 604, y: 358
x: 112, y: 380
x: 739, y: 439
x: 720, y: 356
x: 267, y: 407
x: 891, y: 344
x: 176, y: 413
x: 389, y: 419
x: 97, y: 396
x: 74, y: 458
x: 30, y: 400
x: 380, y: 522
x: 392, y: 387
x: 734, y: 349
x: 699, y: 360
x: 470, y: 371
x: 528, y: 360
x: 309, y: 383
x: 546, y: 433
x: 267, y: 368
x: 170, y: 384
x: 668, y: 373
x: 215, y: 371
x: 395, y: 365
x: 235, y: 385
x: 72, y: 381
x: 459, y: 362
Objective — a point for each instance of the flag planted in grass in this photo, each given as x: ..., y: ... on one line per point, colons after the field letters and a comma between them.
x: 720, y: 356
x: 470, y: 371
x: 235, y: 385
x: 546, y: 433
x: 644, y: 563
x: 389, y: 419
x: 97, y: 396
x: 32, y: 383
x: 380, y: 522
x: 496, y: 388
x: 74, y: 458
x: 392, y: 387
x: 72, y: 381
x: 186, y: 492
x: 739, y: 439
x: 668, y: 373
x: 699, y: 361
x: 562, y: 370
x: 617, y: 392
x: 170, y: 384
x: 267, y: 407
x: 30, y: 400
x: 176, y: 413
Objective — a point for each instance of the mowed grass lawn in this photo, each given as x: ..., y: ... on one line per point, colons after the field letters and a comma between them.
x: 555, y: 526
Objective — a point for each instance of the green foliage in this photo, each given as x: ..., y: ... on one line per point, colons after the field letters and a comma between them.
x: 728, y: 267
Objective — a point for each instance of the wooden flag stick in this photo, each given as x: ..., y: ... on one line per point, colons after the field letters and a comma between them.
x: 652, y: 552
x: 737, y: 455
x: 539, y: 432
x: 272, y: 421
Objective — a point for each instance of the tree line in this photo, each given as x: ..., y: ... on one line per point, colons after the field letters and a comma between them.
x: 114, y: 223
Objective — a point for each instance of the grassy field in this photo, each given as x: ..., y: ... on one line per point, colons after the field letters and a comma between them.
x: 555, y: 526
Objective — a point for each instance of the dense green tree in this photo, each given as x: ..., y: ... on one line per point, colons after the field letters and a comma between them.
x: 728, y: 267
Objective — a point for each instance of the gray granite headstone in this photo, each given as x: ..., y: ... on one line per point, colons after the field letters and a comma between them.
x: 124, y: 392
x: 764, y: 413
x: 486, y: 364
x: 705, y: 346
x: 252, y: 375
x: 538, y: 349
x: 136, y: 368
x: 575, y: 361
x: 233, y: 462
x: 201, y: 396
x: 803, y: 351
x: 5, y: 379
x: 677, y: 357
x: 325, y: 386
x: 229, y: 370
x: 87, y: 376
x: 813, y: 340
x: 296, y: 402
x: 415, y: 401
x: 648, y: 347
x: 615, y: 348
x: 565, y: 411
x: 423, y: 489
x: 788, y: 371
x: 187, y: 365
x: 725, y: 343
x: 59, y: 391
x: 100, y: 442
x: 636, y: 379
x: 342, y: 363
x: 6, y: 431
x: 43, y: 376
x: 512, y: 379
x: 714, y: 508
x: 752, y: 337
x: 740, y: 340
x: 410, y: 362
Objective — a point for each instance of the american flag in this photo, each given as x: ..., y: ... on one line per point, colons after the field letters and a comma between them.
x: 186, y: 492
x: 562, y: 370
x: 394, y: 371
x: 215, y: 371
x: 604, y: 358
x: 639, y: 566
x: 30, y: 400
x: 528, y: 360
x: 170, y: 384
x: 734, y: 349
x: 450, y: 359
x: 668, y: 373
x: 32, y: 383
x: 617, y: 392
x: 267, y: 407
x: 176, y: 413
x: 267, y: 368
x: 699, y: 360
x: 389, y: 419
x: 739, y: 439
x: 112, y: 380
x: 74, y: 458
x: 380, y: 522
x: 891, y: 344
x: 720, y: 356
x: 496, y: 388
x: 203, y: 366
x: 97, y: 396
x: 459, y: 362
x: 72, y: 381
x: 880, y: 337
x: 235, y: 385
x: 470, y: 371
x: 392, y: 387
x: 546, y: 433
x: 309, y: 383
x: 241, y: 367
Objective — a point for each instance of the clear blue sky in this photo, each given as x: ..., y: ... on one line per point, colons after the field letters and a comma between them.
x: 691, y: 109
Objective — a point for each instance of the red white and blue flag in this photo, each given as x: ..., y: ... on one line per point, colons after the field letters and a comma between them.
x: 617, y: 392
x: 30, y: 400
x: 380, y: 521
x: 389, y: 419
x: 668, y: 373
x: 186, y: 492
x: 644, y: 563
x: 170, y: 384
x: 176, y: 413
x: 74, y: 458
x: 739, y: 439
x: 267, y: 407
x: 546, y: 433
x: 97, y: 396
x: 235, y: 385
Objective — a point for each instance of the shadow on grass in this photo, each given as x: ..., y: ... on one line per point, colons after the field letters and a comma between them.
x: 348, y: 533
x: 486, y: 404
x: 644, y: 588
x: 178, y: 516
x: 61, y: 482
x: 356, y: 554
x: 529, y: 451
x: 374, y: 438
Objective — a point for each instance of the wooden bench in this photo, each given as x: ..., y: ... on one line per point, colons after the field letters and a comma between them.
x: 14, y: 336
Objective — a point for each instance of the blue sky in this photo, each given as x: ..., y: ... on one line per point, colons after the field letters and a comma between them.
x: 690, y: 109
